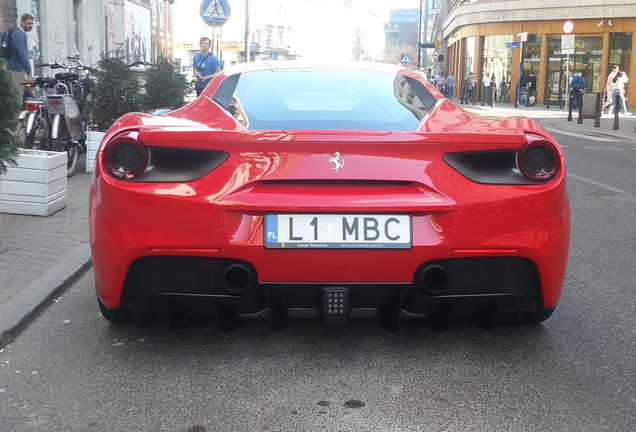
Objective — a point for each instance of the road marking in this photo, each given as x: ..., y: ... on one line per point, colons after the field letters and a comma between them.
x: 577, y: 135
x: 563, y: 146
x: 595, y: 183
x: 602, y: 148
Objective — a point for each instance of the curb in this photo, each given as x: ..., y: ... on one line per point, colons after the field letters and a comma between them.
x: 25, y: 305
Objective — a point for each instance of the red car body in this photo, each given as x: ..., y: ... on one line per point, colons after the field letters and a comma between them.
x: 181, y: 230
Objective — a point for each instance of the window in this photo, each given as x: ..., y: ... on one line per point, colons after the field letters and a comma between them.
x: 268, y: 37
x: 280, y: 37
x: 330, y: 99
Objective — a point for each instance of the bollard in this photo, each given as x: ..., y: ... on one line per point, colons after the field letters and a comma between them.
x: 597, y: 111
x: 560, y: 100
x: 579, y: 96
x: 570, y: 108
x: 617, y: 103
x: 483, y: 95
x: 547, y: 96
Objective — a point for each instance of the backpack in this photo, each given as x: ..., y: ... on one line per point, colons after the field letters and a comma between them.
x: 5, y: 43
x: 578, y: 83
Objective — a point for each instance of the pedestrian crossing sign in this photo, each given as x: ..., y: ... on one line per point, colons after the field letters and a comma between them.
x: 405, y: 58
x: 215, y: 11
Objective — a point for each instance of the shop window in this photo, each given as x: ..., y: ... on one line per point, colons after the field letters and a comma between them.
x: 620, y: 51
x: 498, y: 63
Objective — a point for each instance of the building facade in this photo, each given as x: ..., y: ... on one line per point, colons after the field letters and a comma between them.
x: 131, y: 29
x: 504, y: 37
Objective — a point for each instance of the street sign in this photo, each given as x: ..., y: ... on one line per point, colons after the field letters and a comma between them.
x: 427, y: 45
x: 215, y: 12
x: 567, y: 42
x: 511, y: 45
x: 435, y: 55
x: 273, y: 56
x: 568, y: 27
x: 405, y: 60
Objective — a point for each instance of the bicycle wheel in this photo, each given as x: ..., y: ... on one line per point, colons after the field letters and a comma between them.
x: 20, y: 132
x: 38, y: 137
x: 73, y: 152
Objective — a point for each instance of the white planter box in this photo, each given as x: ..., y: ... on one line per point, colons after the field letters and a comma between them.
x: 93, y: 140
x: 37, y: 186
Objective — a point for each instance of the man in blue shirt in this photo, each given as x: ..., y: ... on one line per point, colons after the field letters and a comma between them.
x: 205, y: 65
x: 19, y: 65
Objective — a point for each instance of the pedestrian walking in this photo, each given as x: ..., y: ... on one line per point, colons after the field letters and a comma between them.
x: 618, y: 90
x: 450, y: 85
x: 493, y: 90
x: 440, y: 83
x: 19, y: 65
x: 609, y: 89
x: 532, y: 89
x: 485, y: 89
x: 469, y: 88
x: 521, y: 87
x: 577, y: 85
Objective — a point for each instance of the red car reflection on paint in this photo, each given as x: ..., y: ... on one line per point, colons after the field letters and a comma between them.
x: 288, y: 190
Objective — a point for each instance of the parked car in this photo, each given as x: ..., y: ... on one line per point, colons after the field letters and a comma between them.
x: 335, y: 192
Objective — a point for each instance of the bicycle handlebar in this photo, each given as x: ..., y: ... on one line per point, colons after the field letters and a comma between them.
x: 140, y: 63
x: 80, y: 65
x: 54, y: 65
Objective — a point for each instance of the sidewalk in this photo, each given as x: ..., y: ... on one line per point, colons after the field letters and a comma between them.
x: 41, y: 256
x: 555, y: 119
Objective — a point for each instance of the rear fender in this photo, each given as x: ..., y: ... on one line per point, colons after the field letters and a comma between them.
x: 30, y: 121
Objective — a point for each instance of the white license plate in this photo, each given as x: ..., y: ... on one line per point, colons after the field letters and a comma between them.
x: 356, y: 231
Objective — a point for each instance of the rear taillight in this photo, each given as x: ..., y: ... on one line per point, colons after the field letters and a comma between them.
x: 539, y: 160
x: 32, y: 106
x: 125, y: 157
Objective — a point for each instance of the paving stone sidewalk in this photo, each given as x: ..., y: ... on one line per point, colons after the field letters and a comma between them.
x: 40, y: 256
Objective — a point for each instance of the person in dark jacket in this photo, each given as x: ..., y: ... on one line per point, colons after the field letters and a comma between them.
x: 521, y: 87
x: 532, y: 89
x: 19, y: 65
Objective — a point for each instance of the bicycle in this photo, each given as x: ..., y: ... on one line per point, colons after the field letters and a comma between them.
x: 54, y: 121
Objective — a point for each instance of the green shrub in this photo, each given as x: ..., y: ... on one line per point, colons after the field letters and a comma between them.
x: 165, y: 85
x: 116, y: 92
x: 9, y: 110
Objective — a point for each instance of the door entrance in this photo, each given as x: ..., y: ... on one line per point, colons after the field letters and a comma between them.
x: 558, y: 84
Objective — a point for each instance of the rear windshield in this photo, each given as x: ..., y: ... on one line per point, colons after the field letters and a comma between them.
x: 326, y: 99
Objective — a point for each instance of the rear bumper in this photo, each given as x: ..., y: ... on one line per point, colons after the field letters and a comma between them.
x: 229, y: 289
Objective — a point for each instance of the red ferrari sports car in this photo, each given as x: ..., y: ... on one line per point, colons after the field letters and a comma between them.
x: 288, y: 190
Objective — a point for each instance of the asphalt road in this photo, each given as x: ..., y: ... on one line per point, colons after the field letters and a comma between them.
x: 72, y: 371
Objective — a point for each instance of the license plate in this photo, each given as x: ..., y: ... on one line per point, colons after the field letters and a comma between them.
x: 337, y: 231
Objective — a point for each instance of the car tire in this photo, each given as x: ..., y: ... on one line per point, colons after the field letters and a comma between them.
x: 125, y: 316
x: 526, y: 317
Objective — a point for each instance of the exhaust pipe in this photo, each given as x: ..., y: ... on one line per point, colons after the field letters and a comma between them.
x: 238, y: 279
x: 433, y: 279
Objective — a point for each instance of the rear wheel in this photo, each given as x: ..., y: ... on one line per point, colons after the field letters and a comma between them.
x: 73, y: 157
x: 125, y: 316
x: 526, y: 317
x: 20, y: 132
x: 38, y: 136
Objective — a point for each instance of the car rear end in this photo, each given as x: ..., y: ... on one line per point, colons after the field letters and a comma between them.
x: 280, y: 225
x: 286, y: 191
